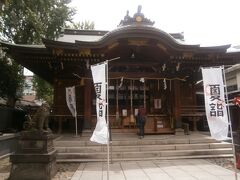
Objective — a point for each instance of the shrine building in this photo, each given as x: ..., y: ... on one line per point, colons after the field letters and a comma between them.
x: 155, y: 69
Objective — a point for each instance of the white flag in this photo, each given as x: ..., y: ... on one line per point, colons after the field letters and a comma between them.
x: 215, y: 104
x: 100, y: 134
x: 71, y: 100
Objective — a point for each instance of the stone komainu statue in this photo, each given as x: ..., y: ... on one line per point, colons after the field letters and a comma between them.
x: 39, y: 121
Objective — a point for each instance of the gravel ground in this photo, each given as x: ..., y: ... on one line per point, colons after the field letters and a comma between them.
x: 227, y: 163
x: 66, y: 170
x: 4, y: 168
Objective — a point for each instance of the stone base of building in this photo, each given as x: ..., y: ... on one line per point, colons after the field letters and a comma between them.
x: 179, y: 132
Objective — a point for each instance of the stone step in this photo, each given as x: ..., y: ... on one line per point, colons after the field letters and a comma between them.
x: 145, y: 154
x: 129, y: 147
x: 145, y: 158
x: 136, y: 142
x: 136, y: 148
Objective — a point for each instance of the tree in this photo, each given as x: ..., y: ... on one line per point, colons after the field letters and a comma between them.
x: 86, y: 25
x: 11, y: 80
x: 26, y: 22
x: 44, y: 89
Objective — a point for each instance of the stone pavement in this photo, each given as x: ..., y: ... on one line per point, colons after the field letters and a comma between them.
x: 186, y: 169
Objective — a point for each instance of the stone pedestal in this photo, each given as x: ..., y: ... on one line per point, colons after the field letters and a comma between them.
x: 35, y: 158
x: 179, y: 132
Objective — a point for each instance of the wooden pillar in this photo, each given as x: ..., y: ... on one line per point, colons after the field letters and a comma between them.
x: 55, y: 93
x: 88, y: 103
x: 57, y: 119
x: 194, y: 98
x: 177, y: 94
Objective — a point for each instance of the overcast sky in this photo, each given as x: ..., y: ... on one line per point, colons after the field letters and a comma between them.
x: 205, y: 22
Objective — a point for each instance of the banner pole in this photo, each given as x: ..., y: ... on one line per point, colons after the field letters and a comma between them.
x: 76, y: 112
x: 108, y: 124
x: 76, y: 122
x: 230, y: 124
x: 106, y: 69
x: 144, y: 94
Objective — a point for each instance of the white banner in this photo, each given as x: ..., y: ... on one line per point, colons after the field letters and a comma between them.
x: 71, y: 100
x: 100, y: 134
x: 215, y: 105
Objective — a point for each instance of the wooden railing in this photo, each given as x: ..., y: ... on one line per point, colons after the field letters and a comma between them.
x: 191, y: 111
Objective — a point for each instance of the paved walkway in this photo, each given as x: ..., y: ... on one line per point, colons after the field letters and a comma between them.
x: 185, y: 169
x: 188, y: 169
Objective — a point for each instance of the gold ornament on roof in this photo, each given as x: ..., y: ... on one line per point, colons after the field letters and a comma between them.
x: 139, y: 19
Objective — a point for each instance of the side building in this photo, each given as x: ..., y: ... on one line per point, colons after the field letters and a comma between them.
x: 29, y: 94
x: 233, y: 87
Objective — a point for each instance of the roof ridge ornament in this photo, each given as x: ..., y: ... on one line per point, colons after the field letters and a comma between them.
x: 138, y: 18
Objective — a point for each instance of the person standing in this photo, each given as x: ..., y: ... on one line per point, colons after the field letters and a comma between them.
x: 141, y: 121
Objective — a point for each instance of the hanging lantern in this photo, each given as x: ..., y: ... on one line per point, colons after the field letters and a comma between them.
x: 82, y: 82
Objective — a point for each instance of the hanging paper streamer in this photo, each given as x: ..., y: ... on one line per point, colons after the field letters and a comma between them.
x: 141, y: 80
x: 121, y: 83
x: 164, y: 67
x: 164, y: 84
x: 178, y: 66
